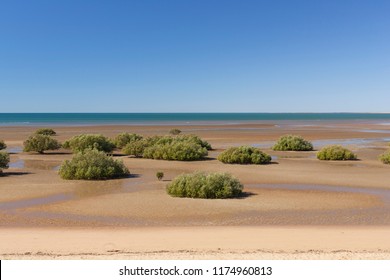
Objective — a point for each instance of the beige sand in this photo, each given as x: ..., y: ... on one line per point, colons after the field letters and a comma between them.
x: 36, y: 203
x: 197, y: 243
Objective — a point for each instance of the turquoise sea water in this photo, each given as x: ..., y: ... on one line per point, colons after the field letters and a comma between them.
x: 11, y: 119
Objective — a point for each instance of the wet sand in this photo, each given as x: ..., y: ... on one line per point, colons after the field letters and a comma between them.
x: 295, y: 194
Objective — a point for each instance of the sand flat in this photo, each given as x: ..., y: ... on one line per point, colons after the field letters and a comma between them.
x: 197, y: 243
x: 295, y: 223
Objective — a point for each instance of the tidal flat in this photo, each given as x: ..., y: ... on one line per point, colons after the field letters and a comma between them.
x: 295, y: 194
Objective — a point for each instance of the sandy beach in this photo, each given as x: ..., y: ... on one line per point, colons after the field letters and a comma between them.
x: 295, y: 208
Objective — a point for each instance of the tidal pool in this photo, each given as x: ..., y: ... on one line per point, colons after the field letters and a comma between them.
x: 376, y: 213
x: 363, y: 142
x: 14, y: 150
x: 17, y: 164
x: 35, y: 164
x: 383, y: 194
x: 86, y: 190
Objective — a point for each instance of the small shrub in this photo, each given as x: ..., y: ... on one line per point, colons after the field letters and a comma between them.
x: 4, y: 160
x: 84, y: 142
x: 160, y: 175
x: 385, y: 157
x: 244, y: 155
x: 292, y: 143
x: 185, y: 147
x: 121, y: 140
x: 2, y: 145
x: 335, y: 152
x: 40, y: 143
x: 155, y: 140
x: 175, y: 131
x: 201, y: 185
x: 92, y: 165
x: 176, y: 151
x: 195, y: 139
x: 135, y: 148
x: 46, y: 131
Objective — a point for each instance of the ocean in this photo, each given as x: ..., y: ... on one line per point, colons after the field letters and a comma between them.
x: 31, y: 119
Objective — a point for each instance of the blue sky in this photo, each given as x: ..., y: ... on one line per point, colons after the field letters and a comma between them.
x: 194, y: 56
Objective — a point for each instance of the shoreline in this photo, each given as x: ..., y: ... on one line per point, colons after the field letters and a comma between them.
x: 196, y: 118
x: 198, y: 243
x: 312, y: 122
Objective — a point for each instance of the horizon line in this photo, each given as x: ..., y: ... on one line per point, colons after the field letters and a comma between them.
x: 340, y: 112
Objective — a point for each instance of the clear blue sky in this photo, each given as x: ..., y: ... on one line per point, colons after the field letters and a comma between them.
x: 195, y: 56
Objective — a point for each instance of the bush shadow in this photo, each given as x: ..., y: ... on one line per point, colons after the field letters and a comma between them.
x: 13, y: 173
x: 133, y: 175
x: 56, y: 153
x: 118, y: 155
x: 244, y: 195
x: 204, y: 159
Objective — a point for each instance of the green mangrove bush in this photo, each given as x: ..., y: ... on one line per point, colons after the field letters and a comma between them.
x: 175, y: 131
x: 45, y: 131
x: 385, y: 157
x: 135, y: 148
x: 183, y: 147
x: 2, y: 145
x: 292, y: 143
x: 40, y: 143
x: 181, y: 151
x: 122, y: 139
x: 92, y: 165
x: 4, y: 160
x: 84, y: 142
x: 195, y: 139
x: 202, y: 185
x: 335, y: 152
x: 156, y: 140
x: 160, y: 175
x: 244, y: 155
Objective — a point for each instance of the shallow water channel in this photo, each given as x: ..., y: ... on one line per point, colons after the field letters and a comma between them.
x: 88, y: 190
x: 378, y: 214
x: 35, y: 164
x: 383, y: 194
x: 361, y: 142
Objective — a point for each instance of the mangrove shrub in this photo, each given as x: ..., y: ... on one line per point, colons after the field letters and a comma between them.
x: 45, y: 131
x: 2, y: 145
x: 202, y: 185
x: 92, y: 165
x: 185, y: 147
x: 335, y: 152
x: 135, y: 148
x: 4, y: 160
x: 122, y: 139
x: 385, y: 157
x: 84, y: 142
x: 160, y: 175
x: 40, y: 143
x: 195, y: 139
x: 181, y: 151
x: 292, y: 143
x: 244, y: 155
x: 175, y: 131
